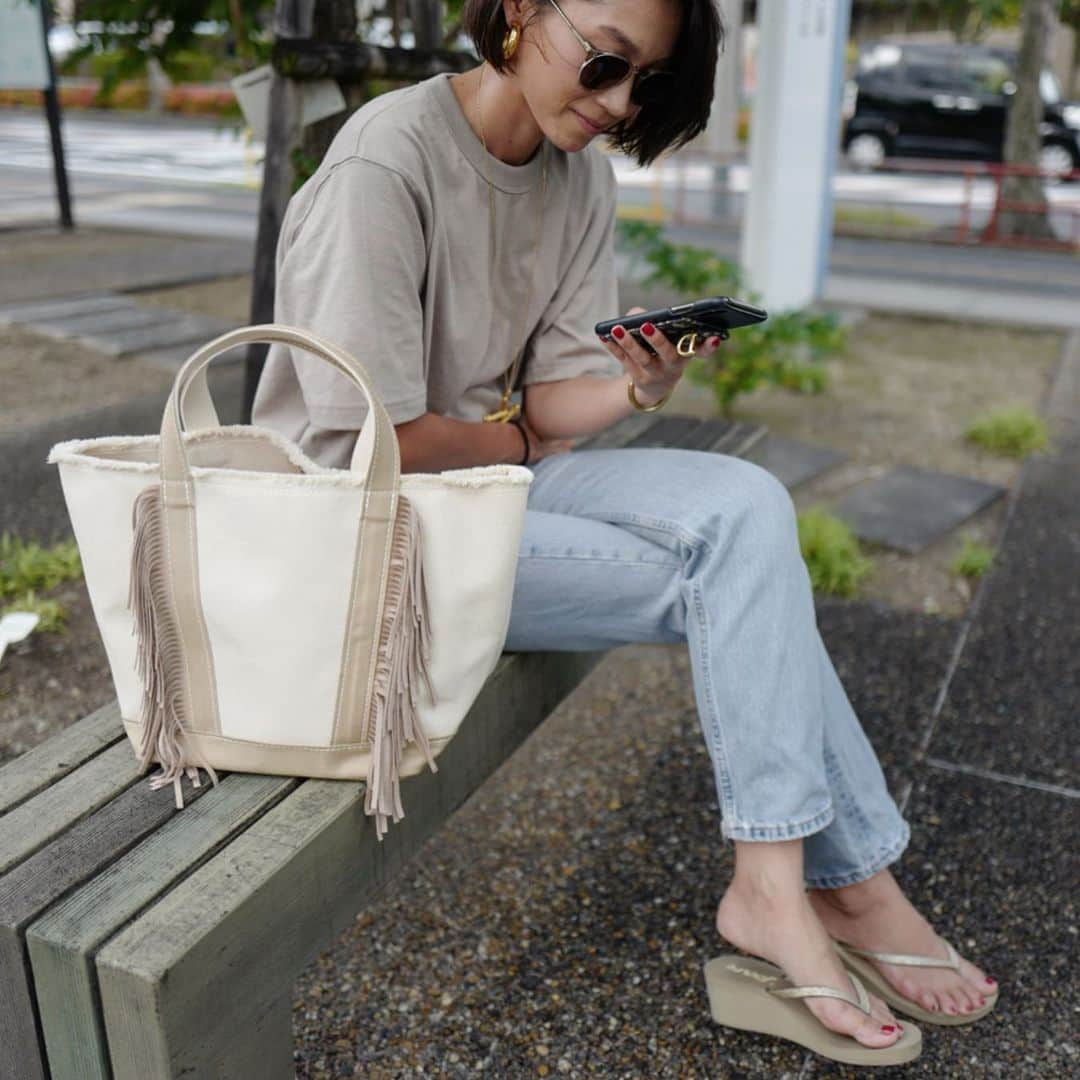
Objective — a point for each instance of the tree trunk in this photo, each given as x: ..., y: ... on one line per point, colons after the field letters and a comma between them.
x: 1021, y: 210
x: 334, y: 22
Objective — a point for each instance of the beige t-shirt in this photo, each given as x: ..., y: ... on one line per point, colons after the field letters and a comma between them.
x: 385, y: 251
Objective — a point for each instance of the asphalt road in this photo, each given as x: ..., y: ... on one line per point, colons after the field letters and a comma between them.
x: 191, y: 177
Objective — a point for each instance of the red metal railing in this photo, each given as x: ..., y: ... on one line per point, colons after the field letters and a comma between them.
x: 974, y: 216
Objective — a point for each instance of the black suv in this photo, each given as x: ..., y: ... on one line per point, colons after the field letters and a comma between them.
x: 909, y: 100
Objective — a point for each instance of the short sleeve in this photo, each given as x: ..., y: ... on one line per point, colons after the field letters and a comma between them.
x: 565, y: 345
x: 352, y: 273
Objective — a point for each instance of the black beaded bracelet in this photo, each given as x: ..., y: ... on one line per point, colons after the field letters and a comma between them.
x: 517, y: 422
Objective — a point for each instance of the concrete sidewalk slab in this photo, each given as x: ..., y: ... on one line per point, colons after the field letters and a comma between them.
x: 909, y: 508
x: 72, y: 305
x: 793, y: 462
x: 48, y: 263
x: 84, y: 323
x: 168, y: 328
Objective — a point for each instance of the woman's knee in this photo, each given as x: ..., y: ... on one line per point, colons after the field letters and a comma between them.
x: 758, y: 506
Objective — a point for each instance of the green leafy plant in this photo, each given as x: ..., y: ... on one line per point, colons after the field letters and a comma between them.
x: 1013, y: 432
x: 786, y: 350
x: 304, y: 166
x: 831, y: 553
x: 27, y: 568
x: 974, y: 559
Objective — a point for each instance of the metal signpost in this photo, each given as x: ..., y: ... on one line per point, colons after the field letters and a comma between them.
x: 25, y: 64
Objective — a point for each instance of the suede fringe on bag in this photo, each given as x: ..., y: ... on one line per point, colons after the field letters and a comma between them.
x: 401, y: 666
x: 159, y: 656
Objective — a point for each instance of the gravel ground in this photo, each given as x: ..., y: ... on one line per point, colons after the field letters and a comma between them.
x: 558, y: 923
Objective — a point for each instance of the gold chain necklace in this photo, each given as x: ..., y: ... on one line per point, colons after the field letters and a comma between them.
x: 506, y: 411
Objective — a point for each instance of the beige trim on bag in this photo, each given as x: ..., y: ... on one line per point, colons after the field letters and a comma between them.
x: 320, y: 762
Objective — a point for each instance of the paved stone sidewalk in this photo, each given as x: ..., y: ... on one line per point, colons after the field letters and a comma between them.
x: 46, y: 263
x: 114, y: 324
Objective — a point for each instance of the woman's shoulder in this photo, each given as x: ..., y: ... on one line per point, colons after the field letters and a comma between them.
x: 394, y: 130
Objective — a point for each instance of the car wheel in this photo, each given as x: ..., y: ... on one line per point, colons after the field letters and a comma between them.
x: 866, y: 151
x: 1056, y: 161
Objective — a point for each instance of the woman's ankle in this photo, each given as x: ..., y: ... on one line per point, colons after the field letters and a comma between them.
x: 863, y: 896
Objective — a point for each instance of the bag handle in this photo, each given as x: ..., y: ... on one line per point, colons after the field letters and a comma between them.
x: 375, y: 456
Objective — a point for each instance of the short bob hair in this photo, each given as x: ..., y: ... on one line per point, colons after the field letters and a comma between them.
x: 656, y: 128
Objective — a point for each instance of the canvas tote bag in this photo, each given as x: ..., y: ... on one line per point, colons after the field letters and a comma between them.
x: 262, y: 613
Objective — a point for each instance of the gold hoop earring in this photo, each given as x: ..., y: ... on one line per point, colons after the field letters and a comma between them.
x: 511, y: 39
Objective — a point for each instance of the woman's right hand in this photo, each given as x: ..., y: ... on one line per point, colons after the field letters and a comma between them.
x: 542, y: 448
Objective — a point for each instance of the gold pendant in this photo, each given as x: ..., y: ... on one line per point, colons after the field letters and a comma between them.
x: 505, y: 412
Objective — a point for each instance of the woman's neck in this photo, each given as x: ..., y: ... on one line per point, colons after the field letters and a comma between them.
x: 508, y: 127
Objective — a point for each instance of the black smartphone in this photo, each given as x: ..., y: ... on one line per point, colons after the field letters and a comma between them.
x: 715, y: 315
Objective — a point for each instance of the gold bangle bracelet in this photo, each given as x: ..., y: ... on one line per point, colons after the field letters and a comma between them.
x: 637, y: 404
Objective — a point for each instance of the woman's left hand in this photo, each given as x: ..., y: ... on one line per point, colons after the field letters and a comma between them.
x: 653, y: 376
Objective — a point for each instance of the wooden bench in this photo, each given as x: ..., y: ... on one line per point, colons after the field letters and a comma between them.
x: 140, y: 942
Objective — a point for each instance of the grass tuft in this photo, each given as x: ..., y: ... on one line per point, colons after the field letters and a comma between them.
x: 974, y: 559
x: 831, y: 553
x: 1014, y: 432
x: 27, y: 568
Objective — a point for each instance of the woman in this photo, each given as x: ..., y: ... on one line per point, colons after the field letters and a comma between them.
x: 466, y: 223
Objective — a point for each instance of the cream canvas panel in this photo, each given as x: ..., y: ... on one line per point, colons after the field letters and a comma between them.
x: 468, y: 614
x: 97, y: 499
x: 275, y: 568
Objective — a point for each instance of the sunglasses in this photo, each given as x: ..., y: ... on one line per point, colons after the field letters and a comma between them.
x: 602, y: 70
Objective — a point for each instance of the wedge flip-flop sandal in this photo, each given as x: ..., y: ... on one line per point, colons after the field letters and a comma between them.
x: 753, y: 995
x: 857, y: 963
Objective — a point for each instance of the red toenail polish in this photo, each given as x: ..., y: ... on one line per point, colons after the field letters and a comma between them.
x: 619, y: 332
x: 991, y: 982
x: 888, y: 1028
x: 648, y: 329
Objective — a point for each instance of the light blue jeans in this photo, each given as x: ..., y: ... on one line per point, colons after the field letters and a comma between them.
x: 653, y: 545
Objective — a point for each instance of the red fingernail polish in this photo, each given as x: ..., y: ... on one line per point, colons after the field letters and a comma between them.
x: 619, y: 332
x: 990, y: 981
x: 888, y: 1028
x: 648, y: 329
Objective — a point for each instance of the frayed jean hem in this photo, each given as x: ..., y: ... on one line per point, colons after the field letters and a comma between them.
x: 791, y: 830
x: 886, y: 858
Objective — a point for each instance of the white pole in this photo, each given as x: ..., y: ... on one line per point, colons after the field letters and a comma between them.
x: 721, y: 136
x: 794, y: 133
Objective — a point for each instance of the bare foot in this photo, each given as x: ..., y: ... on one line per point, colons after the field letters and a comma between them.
x: 786, y: 932
x: 876, y: 915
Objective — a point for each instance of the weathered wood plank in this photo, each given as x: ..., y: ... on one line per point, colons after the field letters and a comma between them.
x: 62, y: 942
x: 30, y: 887
x: 35, y: 822
x: 666, y: 432
x: 190, y: 976
x: 738, y: 439
x: 56, y: 757
x: 621, y: 433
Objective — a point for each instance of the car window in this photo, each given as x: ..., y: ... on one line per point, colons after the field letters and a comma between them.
x: 985, y: 74
x: 927, y: 75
